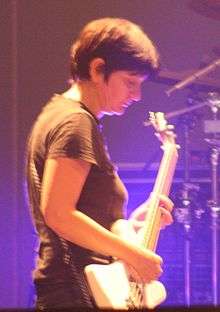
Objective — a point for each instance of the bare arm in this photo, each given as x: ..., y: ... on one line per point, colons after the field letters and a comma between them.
x: 62, y: 184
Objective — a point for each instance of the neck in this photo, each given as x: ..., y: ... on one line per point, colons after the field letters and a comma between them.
x: 85, y: 92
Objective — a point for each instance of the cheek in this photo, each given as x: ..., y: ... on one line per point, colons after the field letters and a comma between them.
x: 118, y: 91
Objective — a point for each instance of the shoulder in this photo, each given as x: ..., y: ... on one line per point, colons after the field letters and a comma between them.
x: 60, y: 113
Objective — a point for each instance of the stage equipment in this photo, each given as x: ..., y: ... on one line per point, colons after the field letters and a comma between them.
x: 212, y: 127
x: 197, y: 103
x: 184, y: 212
x: 204, y: 84
x: 194, y: 76
x: 212, y: 130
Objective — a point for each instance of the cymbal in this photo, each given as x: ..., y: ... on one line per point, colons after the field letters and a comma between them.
x: 204, y: 84
x: 207, y: 8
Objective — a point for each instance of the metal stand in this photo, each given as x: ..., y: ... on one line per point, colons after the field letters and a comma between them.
x: 215, y: 214
x: 214, y: 204
x: 214, y: 100
x: 187, y: 220
x: 185, y: 212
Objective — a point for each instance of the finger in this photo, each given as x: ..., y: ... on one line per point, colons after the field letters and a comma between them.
x: 165, y: 222
x: 159, y: 272
x: 155, y: 258
x: 165, y: 213
x: 166, y: 202
x: 166, y: 217
x: 153, y: 274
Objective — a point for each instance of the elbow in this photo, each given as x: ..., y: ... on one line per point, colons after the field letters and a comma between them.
x: 64, y: 223
x: 61, y: 221
x: 53, y: 219
x: 50, y: 219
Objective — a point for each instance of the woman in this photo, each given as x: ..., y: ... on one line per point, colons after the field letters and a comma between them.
x: 76, y: 196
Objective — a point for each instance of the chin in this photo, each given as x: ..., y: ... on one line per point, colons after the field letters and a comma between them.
x: 120, y: 111
x: 112, y: 113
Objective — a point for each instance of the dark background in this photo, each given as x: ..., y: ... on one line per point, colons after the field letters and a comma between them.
x: 35, y: 39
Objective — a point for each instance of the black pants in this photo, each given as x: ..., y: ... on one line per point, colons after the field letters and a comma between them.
x: 62, y: 297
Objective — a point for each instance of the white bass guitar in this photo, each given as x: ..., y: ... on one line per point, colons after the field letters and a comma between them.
x: 110, y: 285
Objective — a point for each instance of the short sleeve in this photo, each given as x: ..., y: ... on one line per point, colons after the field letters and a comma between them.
x: 76, y: 137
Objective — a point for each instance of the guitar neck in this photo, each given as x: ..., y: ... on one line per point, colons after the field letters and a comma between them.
x: 162, y: 186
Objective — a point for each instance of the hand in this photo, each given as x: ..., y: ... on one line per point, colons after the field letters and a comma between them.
x: 166, y: 206
x: 144, y: 266
x: 139, y: 214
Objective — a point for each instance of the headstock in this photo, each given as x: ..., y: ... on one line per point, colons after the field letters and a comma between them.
x: 163, y: 131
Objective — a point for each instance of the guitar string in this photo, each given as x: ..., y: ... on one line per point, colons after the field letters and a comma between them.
x: 136, y: 291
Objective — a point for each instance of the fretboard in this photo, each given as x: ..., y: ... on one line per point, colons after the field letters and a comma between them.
x: 162, y: 186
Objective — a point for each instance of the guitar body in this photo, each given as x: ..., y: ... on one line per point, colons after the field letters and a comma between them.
x: 111, y: 288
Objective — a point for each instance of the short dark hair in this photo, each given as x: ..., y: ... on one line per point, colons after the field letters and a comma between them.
x: 120, y: 43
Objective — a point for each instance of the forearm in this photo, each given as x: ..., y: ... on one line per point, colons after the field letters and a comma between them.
x: 78, y: 228
x: 125, y: 229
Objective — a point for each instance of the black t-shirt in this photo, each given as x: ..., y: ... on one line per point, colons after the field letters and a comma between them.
x: 66, y: 129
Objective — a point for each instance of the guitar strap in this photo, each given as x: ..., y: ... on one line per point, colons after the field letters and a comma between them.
x: 76, y: 274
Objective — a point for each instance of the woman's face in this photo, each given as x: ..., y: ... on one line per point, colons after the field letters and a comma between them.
x: 120, y: 90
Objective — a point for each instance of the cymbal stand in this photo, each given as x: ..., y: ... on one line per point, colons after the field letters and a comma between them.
x: 214, y: 205
x: 187, y: 221
x: 215, y: 214
x: 185, y: 215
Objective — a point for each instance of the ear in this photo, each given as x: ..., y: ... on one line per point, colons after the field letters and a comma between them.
x: 96, y: 69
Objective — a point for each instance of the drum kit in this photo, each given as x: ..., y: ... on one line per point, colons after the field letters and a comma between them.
x: 183, y: 214
x: 210, y: 90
